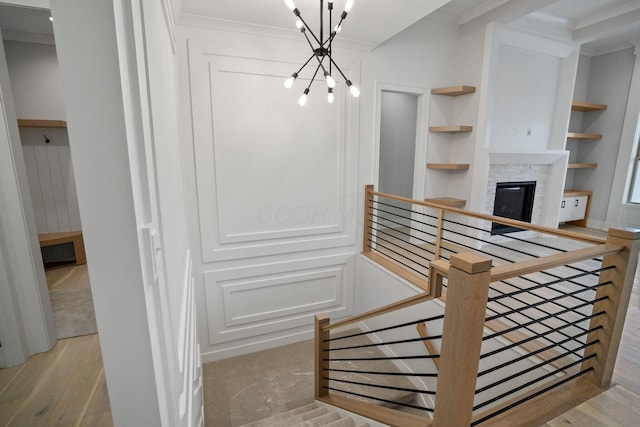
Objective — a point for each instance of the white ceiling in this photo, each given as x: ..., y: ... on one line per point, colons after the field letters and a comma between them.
x: 601, y: 25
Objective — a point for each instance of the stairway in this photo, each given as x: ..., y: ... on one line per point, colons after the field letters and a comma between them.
x: 312, y: 415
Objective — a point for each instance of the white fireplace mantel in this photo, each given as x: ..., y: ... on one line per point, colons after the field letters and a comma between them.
x: 547, y: 157
x: 556, y: 162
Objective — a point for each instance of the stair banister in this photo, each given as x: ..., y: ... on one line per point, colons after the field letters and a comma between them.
x: 467, y: 293
x: 622, y: 278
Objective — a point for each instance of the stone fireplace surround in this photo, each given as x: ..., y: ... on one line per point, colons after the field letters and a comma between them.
x: 547, y: 168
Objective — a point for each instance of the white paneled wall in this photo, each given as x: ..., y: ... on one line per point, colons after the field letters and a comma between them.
x: 53, y: 194
x: 274, y: 189
x: 53, y: 189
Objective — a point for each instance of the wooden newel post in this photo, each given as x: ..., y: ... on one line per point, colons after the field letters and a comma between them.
x: 368, y: 219
x: 321, y: 345
x: 615, y: 306
x: 467, y: 293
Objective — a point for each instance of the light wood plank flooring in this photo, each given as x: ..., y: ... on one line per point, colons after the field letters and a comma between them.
x: 66, y: 385
x: 62, y: 387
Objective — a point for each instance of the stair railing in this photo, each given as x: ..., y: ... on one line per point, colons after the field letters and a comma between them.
x: 562, y: 310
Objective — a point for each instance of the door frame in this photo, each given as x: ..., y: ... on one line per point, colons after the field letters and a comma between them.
x: 419, y: 171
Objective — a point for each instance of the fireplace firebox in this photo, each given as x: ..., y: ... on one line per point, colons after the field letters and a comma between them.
x: 513, y: 200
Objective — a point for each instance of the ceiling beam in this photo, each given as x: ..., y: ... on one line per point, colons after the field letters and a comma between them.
x: 629, y: 20
x: 506, y: 12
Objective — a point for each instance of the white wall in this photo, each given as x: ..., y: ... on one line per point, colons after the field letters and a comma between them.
x: 620, y: 212
x: 524, y: 99
x: 30, y: 326
x: 609, y: 83
x: 86, y: 39
x: 272, y: 187
x: 35, y: 80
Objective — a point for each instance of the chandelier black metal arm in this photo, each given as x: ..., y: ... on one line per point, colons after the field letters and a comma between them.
x: 324, y: 49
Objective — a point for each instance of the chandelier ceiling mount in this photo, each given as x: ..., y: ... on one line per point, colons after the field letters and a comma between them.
x: 321, y: 50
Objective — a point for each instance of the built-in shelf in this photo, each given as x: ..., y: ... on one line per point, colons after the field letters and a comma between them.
x: 30, y: 123
x: 583, y: 136
x: 451, y: 129
x: 448, y: 166
x: 453, y: 90
x: 587, y: 106
x: 582, y: 165
x: 448, y: 201
x: 576, y: 193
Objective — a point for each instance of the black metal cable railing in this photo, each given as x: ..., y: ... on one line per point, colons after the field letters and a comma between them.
x: 358, y: 367
x: 546, y: 317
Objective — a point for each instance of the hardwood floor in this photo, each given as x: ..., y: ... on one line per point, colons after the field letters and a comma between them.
x: 66, y: 385
x: 63, y: 387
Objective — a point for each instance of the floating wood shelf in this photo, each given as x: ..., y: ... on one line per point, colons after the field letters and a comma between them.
x: 29, y: 123
x: 448, y: 166
x: 453, y: 90
x: 582, y: 166
x: 583, y: 136
x: 451, y: 129
x: 448, y: 201
x: 587, y: 106
x: 577, y: 193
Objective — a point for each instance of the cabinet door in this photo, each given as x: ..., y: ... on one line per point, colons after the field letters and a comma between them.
x: 566, y: 207
x: 579, y: 208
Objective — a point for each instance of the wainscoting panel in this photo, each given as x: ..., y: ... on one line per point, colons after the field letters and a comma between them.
x: 256, y: 300
x: 272, y: 177
x: 52, y: 187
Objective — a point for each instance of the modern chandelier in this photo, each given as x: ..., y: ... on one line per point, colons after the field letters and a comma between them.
x: 321, y: 50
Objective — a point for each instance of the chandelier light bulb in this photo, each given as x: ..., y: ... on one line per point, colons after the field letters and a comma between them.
x: 348, y: 6
x: 331, y: 82
x: 354, y: 90
x: 290, y: 4
x: 289, y: 82
x: 299, y: 24
x: 303, y: 98
x: 330, y: 97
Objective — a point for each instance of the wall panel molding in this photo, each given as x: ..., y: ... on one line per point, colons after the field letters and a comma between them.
x: 272, y: 177
x: 261, y: 299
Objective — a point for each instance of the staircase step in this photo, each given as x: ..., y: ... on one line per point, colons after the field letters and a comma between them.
x: 272, y: 420
x: 344, y: 422
x: 323, y: 420
x: 312, y: 415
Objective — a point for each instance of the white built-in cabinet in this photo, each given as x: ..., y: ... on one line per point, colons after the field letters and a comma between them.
x: 574, y: 205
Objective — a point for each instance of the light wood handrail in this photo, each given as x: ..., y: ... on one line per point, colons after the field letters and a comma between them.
x: 508, y: 271
x: 501, y: 220
x: 407, y: 302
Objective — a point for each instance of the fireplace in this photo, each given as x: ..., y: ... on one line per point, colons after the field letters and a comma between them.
x: 513, y: 200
